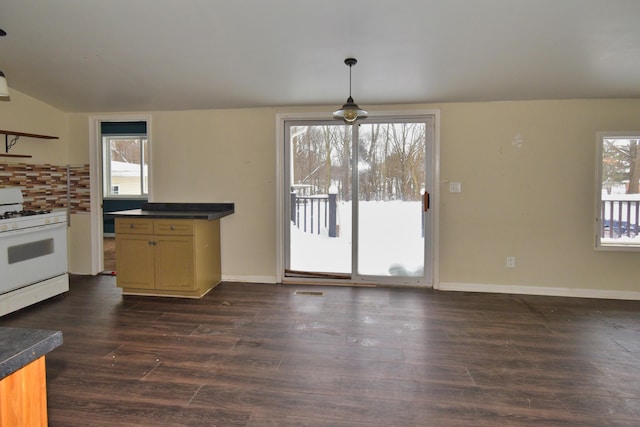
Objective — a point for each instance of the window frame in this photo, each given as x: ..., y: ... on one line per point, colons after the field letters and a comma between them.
x: 432, y: 279
x: 107, y: 183
x: 598, y: 244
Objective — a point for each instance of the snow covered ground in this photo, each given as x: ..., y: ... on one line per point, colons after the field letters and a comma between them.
x: 390, y: 244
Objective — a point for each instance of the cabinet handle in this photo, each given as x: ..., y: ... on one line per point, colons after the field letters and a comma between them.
x: 152, y: 243
x: 171, y: 228
x: 131, y: 226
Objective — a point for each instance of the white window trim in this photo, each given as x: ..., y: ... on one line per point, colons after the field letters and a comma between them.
x: 600, y: 136
x: 106, y: 173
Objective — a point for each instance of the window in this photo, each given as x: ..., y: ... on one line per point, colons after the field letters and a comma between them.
x: 125, y: 166
x: 618, y: 191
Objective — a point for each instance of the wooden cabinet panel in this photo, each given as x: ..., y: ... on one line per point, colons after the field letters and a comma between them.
x: 173, y: 227
x: 135, y: 261
x: 174, y: 262
x: 173, y: 257
x: 134, y: 226
x: 23, y: 396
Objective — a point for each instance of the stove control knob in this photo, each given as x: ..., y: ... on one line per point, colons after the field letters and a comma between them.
x: 47, y: 221
x: 14, y: 226
x: 3, y: 228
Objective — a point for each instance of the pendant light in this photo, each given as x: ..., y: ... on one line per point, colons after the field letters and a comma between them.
x: 350, y: 112
x: 4, y: 90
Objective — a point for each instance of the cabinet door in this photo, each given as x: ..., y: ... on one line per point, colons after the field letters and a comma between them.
x: 134, y: 261
x: 174, y: 263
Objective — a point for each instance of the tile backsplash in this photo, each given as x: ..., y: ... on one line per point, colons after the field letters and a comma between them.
x: 47, y: 186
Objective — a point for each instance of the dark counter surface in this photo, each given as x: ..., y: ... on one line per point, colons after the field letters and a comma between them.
x: 207, y: 211
x: 19, y: 347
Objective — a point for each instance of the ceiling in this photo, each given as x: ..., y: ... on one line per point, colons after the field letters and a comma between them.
x: 150, y: 55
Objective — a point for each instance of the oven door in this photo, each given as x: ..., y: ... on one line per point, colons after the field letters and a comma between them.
x: 32, y: 255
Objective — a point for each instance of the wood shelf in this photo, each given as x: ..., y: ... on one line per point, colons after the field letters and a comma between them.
x: 16, y: 135
x: 15, y: 155
x: 28, y: 135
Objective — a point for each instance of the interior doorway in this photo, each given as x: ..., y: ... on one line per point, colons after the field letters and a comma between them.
x: 120, y: 170
x: 125, y: 177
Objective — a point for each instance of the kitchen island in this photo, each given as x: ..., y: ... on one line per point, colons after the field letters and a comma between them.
x: 23, y: 390
x: 169, y: 249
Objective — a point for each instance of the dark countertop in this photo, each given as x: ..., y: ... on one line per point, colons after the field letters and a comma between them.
x: 207, y: 211
x: 19, y: 347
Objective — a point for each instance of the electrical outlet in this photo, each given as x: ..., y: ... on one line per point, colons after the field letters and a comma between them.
x: 511, y: 262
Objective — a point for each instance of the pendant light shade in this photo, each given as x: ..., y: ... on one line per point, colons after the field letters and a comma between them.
x: 4, y: 90
x: 350, y: 112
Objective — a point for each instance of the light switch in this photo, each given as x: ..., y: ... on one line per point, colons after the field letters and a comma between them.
x: 455, y: 187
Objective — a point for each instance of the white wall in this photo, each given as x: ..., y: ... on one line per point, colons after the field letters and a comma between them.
x: 223, y: 156
x: 535, y: 202
x: 25, y: 114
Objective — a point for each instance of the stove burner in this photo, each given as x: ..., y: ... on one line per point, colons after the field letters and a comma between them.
x: 16, y: 214
x: 40, y: 212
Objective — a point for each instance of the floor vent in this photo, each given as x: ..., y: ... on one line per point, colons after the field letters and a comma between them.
x: 312, y: 293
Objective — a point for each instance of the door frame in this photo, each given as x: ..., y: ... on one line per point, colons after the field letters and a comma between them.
x: 95, y: 179
x: 431, y: 251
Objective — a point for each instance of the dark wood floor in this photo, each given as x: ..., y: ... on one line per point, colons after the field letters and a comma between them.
x: 109, y: 251
x: 262, y: 355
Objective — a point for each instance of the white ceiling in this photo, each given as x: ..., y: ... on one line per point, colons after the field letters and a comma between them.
x: 147, y: 55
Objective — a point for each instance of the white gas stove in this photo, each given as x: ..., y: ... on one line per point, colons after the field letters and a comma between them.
x: 33, y: 252
x: 14, y: 217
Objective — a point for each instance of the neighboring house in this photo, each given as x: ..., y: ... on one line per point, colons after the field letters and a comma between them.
x: 125, y: 178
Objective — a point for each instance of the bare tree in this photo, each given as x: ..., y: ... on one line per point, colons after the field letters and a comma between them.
x: 634, y: 167
x: 407, y: 142
x: 621, y: 162
x: 126, y: 150
x: 391, y: 160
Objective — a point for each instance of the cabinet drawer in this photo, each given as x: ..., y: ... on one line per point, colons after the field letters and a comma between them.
x: 177, y: 227
x: 134, y: 226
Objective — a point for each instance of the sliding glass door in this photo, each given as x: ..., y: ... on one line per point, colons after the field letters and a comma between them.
x: 390, y: 188
x: 319, y: 202
x: 356, y: 211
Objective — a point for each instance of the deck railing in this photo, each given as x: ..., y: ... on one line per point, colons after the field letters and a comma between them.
x: 315, y: 214
x: 620, y: 218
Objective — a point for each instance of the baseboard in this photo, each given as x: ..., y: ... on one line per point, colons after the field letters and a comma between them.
x: 249, y: 279
x: 489, y: 288
x: 540, y: 290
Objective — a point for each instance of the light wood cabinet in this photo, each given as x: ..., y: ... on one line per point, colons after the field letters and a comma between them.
x: 171, y: 257
x: 23, y: 396
x: 135, y: 261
